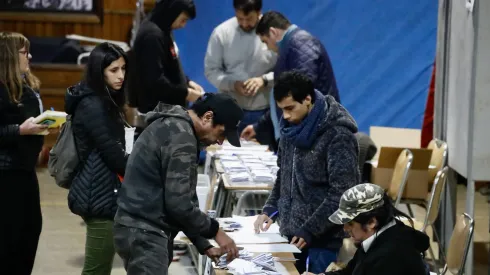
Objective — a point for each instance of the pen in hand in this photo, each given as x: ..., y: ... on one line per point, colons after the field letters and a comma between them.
x: 272, y: 216
x: 307, y: 264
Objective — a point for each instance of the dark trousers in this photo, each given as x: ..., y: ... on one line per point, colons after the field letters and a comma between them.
x: 143, y: 251
x: 250, y: 117
x: 320, y: 259
x: 21, y: 221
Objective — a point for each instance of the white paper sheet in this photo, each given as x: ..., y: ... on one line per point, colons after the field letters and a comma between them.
x: 129, y: 137
x: 239, y: 266
x: 247, y: 238
x: 271, y: 248
x: 247, y: 223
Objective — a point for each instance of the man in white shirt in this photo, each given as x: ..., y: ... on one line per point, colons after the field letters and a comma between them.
x: 238, y: 63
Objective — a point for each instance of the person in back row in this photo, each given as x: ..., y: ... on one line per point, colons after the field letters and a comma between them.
x: 385, y: 245
x: 156, y: 74
x: 158, y: 198
x: 317, y: 162
x: 239, y: 64
x: 297, y: 50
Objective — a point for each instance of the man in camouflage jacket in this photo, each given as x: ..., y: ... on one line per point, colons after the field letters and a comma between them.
x: 158, y: 196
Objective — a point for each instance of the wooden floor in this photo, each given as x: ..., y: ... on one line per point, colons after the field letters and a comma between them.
x: 61, y: 247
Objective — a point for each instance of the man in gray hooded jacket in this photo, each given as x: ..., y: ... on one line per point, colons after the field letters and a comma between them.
x: 317, y: 161
x: 158, y: 196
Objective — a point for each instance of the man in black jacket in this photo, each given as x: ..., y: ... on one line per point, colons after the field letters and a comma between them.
x: 156, y: 74
x: 158, y: 197
x: 385, y: 245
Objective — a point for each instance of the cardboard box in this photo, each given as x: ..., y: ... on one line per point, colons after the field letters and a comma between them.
x: 418, y: 176
x: 394, y: 137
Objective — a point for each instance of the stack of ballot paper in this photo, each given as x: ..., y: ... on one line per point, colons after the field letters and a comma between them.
x: 239, y: 177
x: 251, y: 160
x: 264, y: 260
x: 246, y: 156
x: 243, y: 255
x: 253, y: 165
x: 268, y: 158
x: 274, y: 170
x: 262, y: 175
x: 270, y: 163
x: 242, y: 267
x: 229, y: 157
x: 231, y: 166
x: 261, y: 264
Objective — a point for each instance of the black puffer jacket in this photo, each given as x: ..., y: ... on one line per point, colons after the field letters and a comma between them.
x: 98, y: 128
x: 18, y: 152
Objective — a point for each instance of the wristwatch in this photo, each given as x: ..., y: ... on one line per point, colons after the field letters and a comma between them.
x: 264, y: 78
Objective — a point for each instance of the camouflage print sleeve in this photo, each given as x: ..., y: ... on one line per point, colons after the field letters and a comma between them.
x: 202, y: 244
x: 181, y: 155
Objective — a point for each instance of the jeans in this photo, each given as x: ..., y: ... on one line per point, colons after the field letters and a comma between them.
x: 250, y: 117
x: 20, y: 210
x: 143, y: 252
x: 320, y: 259
x: 99, y: 247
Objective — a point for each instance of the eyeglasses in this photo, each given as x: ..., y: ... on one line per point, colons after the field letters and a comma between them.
x: 26, y: 53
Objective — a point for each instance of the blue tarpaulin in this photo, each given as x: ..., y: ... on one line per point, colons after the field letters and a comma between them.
x: 382, y: 51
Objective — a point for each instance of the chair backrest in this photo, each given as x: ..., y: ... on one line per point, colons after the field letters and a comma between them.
x: 459, y: 245
x: 435, y: 198
x: 367, y: 151
x: 400, y: 175
x: 438, y: 158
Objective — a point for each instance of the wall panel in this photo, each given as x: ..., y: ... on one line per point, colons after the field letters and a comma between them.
x: 116, y: 24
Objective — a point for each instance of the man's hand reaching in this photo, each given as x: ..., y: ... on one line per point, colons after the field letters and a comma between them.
x: 193, y: 94
x: 240, y: 88
x: 196, y: 86
x: 248, y: 133
x: 214, y: 253
x: 227, y: 245
x: 253, y: 85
